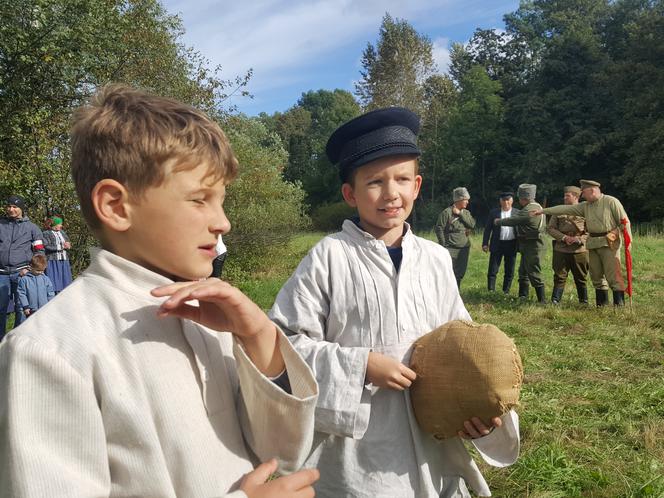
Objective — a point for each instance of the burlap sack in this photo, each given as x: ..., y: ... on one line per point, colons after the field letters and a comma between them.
x: 464, y: 370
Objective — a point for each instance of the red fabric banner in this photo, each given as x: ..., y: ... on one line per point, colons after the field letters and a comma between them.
x: 628, y: 255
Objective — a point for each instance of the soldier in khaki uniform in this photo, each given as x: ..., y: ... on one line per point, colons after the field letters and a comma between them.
x: 454, y: 226
x: 604, y: 216
x: 569, y: 249
x: 530, y: 240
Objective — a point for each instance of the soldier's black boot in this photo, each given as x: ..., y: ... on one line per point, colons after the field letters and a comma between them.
x: 491, y: 284
x: 618, y: 298
x: 541, y: 298
x: 557, y: 295
x: 582, y: 292
x: 523, y: 290
x: 601, y: 297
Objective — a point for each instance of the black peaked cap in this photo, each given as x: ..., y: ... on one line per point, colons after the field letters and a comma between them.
x: 383, y: 132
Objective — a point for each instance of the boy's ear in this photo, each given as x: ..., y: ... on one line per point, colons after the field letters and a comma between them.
x: 110, y: 200
x: 418, y: 185
x: 348, y: 194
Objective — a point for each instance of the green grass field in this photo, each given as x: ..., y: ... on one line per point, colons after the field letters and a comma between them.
x: 592, y: 405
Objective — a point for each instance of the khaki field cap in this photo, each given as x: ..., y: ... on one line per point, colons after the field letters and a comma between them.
x: 464, y: 370
x: 588, y: 184
x: 527, y: 191
x: 460, y: 193
x: 573, y: 189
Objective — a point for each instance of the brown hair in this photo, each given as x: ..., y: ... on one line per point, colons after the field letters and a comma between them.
x: 128, y: 135
x: 38, y: 262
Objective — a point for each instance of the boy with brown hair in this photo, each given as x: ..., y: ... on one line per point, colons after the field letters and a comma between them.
x: 354, y: 307
x: 114, y: 390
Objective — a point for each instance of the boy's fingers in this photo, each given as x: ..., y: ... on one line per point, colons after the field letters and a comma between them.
x: 300, y: 479
x: 167, y: 290
x: 183, y: 311
x: 497, y: 421
x: 408, y: 373
x: 261, y: 473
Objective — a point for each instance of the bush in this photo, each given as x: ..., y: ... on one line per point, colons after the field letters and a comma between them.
x: 330, y: 217
x: 264, y: 209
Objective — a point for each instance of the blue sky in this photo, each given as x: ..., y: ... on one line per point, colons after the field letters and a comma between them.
x: 295, y: 46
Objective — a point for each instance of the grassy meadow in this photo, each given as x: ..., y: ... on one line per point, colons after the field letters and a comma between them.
x: 592, y: 405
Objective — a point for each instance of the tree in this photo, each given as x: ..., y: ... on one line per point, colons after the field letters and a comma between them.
x: 304, y: 129
x: 395, y: 70
x: 53, y: 55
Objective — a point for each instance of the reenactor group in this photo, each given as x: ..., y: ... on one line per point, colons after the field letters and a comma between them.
x: 586, y: 239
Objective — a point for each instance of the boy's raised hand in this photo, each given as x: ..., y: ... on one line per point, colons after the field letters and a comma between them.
x: 297, y: 485
x: 383, y: 371
x: 225, y: 308
x: 221, y: 306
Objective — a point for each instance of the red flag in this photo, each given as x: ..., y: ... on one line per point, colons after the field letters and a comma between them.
x: 628, y: 255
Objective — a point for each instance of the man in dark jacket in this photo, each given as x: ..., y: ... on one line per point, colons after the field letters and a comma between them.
x: 500, y: 242
x: 530, y: 240
x: 19, y: 240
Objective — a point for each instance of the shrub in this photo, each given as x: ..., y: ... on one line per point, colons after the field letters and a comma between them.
x: 329, y: 217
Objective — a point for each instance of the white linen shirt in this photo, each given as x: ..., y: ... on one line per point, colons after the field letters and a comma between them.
x: 344, y: 300
x: 99, y: 397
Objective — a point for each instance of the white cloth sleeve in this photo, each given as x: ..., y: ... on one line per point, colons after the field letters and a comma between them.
x: 501, y: 447
x: 275, y: 423
x: 301, y: 309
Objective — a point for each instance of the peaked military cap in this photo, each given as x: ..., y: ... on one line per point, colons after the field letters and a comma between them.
x: 527, y: 191
x: 588, y: 184
x: 505, y: 194
x: 460, y: 193
x: 380, y: 133
x: 573, y: 189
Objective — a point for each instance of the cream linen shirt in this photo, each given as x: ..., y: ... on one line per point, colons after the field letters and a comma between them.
x: 99, y: 397
x: 345, y: 299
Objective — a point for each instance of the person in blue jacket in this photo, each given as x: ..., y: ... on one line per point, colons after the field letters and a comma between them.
x: 19, y: 240
x: 35, y: 289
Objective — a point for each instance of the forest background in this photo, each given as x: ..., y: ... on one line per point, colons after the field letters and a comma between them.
x: 570, y: 89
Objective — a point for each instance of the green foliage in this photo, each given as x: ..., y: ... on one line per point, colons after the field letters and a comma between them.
x: 394, y: 71
x: 304, y: 130
x: 264, y: 209
x: 330, y: 217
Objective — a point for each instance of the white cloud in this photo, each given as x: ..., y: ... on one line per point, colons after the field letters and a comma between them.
x: 283, y: 39
x: 441, y: 54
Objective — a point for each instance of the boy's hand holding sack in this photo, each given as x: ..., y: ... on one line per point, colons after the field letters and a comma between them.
x: 464, y: 370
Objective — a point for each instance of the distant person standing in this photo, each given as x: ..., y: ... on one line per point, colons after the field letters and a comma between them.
x: 56, y: 245
x: 530, y: 240
x: 35, y: 289
x: 454, y: 226
x: 19, y: 240
x: 500, y: 242
x: 605, y: 216
x: 569, y: 248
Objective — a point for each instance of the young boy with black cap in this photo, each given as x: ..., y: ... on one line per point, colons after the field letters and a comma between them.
x: 355, y: 305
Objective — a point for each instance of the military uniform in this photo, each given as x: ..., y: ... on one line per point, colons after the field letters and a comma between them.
x: 453, y: 230
x: 604, y: 218
x: 530, y: 240
x: 569, y: 257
